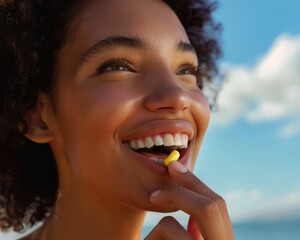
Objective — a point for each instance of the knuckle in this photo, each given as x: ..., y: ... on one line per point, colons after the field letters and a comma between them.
x: 168, y: 228
x: 167, y: 221
x: 221, y: 203
x: 210, y: 209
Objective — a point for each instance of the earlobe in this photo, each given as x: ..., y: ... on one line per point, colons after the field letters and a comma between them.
x: 39, y: 121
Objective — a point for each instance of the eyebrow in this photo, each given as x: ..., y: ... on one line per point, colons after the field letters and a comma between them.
x: 126, y: 42
x: 110, y: 43
x: 186, y: 47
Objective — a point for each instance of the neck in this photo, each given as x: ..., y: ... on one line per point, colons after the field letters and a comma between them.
x: 77, y: 217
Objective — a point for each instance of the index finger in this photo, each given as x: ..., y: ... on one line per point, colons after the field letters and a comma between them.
x: 188, y: 180
x: 204, y: 210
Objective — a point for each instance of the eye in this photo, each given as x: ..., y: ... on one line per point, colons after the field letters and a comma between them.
x: 115, y: 65
x: 188, y: 69
x: 191, y: 72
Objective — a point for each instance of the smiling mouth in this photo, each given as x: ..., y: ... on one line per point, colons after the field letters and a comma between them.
x: 158, y: 147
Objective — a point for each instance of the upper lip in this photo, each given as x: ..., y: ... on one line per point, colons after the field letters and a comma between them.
x: 159, y: 127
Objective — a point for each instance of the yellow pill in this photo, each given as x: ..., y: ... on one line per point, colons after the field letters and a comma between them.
x: 173, y: 156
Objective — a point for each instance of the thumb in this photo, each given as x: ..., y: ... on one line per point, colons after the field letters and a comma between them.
x: 193, y: 229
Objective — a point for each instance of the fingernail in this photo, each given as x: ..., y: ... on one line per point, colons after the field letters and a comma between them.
x: 179, y: 167
x: 155, y: 193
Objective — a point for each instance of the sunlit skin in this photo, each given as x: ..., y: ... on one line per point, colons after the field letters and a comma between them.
x: 141, y: 84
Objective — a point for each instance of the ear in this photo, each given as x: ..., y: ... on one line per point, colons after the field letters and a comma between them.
x: 39, y: 121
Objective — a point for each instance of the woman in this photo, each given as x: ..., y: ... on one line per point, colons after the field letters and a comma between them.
x: 94, y: 94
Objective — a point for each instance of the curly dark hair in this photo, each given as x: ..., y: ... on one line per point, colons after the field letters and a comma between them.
x: 32, y: 34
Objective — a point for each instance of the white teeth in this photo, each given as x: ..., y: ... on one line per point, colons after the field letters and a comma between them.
x: 169, y: 140
x: 178, y: 140
x: 184, y: 139
x: 158, y: 140
x: 149, y: 142
x: 133, y: 145
x: 140, y: 143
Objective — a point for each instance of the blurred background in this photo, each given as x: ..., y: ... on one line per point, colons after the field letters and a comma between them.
x: 251, y: 152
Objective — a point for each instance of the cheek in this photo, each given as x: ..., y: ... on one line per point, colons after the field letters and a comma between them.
x: 201, y: 111
x: 90, y: 120
x: 201, y: 114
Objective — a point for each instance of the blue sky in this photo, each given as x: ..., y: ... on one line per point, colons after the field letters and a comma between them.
x: 250, y: 27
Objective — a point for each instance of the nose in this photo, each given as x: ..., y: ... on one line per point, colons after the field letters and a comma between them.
x: 167, y: 97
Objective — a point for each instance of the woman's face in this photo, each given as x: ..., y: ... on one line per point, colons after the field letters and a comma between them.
x: 127, y: 79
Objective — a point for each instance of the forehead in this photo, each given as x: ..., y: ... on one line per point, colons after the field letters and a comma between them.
x: 150, y: 20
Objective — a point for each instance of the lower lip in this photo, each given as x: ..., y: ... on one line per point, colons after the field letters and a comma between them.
x: 145, y: 161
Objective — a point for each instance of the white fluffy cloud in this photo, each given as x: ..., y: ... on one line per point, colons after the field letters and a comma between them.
x: 241, y: 195
x: 266, y: 92
x: 240, y: 202
x: 254, y: 204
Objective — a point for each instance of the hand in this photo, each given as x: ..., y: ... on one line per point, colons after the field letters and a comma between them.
x: 209, y: 216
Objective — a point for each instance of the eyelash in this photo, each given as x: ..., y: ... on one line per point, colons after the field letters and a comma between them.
x: 193, y: 70
x: 118, y: 62
x: 113, y: 64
